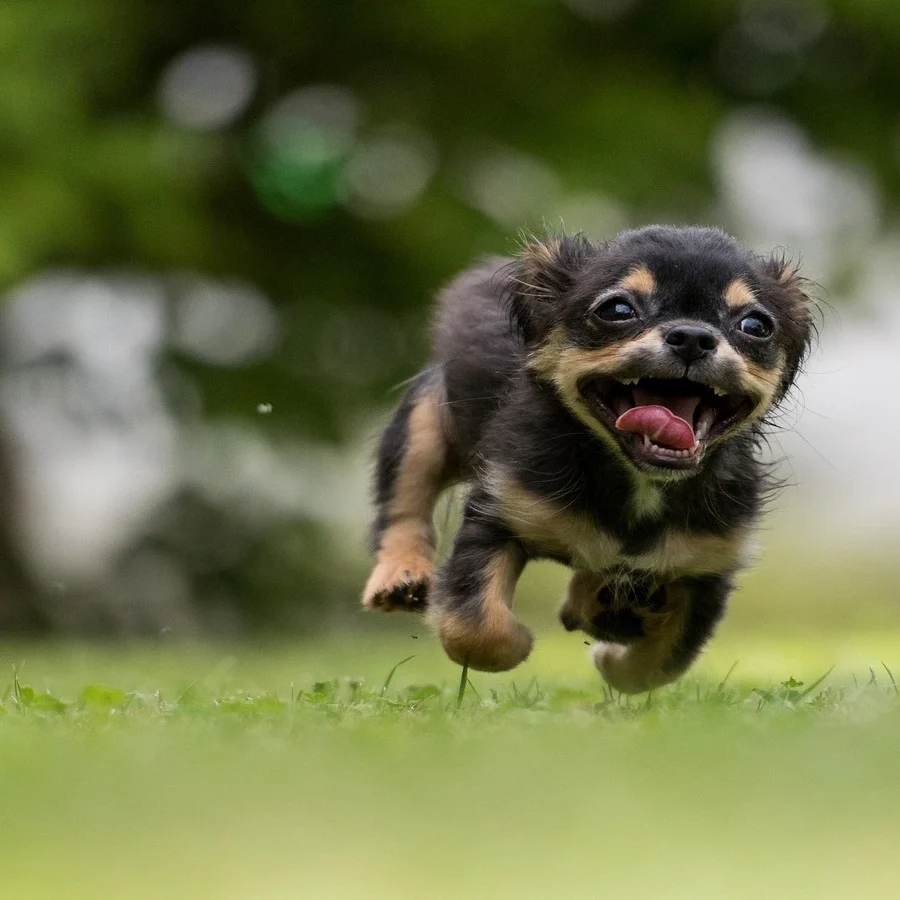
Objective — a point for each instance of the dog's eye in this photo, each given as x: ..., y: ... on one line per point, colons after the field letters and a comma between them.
x: 757, y: 326
x: 615, y: 309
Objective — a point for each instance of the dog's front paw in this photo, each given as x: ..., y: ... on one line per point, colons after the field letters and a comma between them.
x: 609, y: 612
x: 492, y: 644
x: 629, y: 670
x: 399, y: 583
x: 581, y: 601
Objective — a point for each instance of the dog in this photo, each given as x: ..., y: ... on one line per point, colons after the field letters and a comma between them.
x: 606, y: 404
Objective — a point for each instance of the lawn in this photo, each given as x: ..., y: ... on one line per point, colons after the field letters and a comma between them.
x: 297, y: 770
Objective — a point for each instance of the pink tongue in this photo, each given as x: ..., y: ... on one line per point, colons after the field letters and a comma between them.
x: 661, y: 425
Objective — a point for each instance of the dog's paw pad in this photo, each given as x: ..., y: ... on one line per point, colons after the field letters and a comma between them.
x: 570, y: 620
x: 404, y: 586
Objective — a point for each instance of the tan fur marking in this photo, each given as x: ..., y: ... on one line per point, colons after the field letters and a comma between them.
x: 580, y: 603
x: 682, y: 553
x: 496, y: 641
x: 566, y: 366
x: 403, y: 559
x: 540, y: 254
x: 546, y: 525
x: 739, y: 293
x: 405, y: 554
x: 679, y: 554
x: 544, y: 360
x: 764, y: 383
x: 787, y: 273
x: 758, y: 383
x: 422, y: 463
x: 640, y: 280
x: 646, y: 501
x: 638, y: 667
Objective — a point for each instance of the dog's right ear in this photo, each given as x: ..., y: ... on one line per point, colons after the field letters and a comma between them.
x: 539, y: 278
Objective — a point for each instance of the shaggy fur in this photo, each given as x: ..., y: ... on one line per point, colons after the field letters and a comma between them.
x: 534, y: 361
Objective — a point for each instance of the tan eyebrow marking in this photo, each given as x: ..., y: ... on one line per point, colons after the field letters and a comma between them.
x: 739, y: 293
x: 640, y: 280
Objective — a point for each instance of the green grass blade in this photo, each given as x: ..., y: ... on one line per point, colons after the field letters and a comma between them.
x: 817, y: 682
x: 463, y: 681
x: 390, y: 678
x: 891, y: 676
x: 724, y: 681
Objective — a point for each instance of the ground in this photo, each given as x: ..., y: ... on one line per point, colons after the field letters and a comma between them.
x: 308, y: 770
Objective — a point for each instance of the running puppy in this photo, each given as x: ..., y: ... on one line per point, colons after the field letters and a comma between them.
x: 605, y: 404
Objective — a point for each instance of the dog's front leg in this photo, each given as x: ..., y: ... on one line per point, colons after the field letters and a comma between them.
x: 673, y: 636
x: 470, y: 606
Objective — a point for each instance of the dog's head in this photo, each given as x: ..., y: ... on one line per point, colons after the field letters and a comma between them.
x: 666, y: 341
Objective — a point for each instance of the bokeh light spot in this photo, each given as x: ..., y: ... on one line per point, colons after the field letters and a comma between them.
x: 226, y: 324
x: 207, y: 87
x: 511, y: 188
x: 389, y: 172
x: 301, y: 148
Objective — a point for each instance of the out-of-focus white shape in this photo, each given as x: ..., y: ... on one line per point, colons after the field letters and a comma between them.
x: 264, y: 409
x: 321, y: 119
x: 843, y: 450
x: 779, y: 191
x: 601, y: 10
x: 389, y: 172
x: 224, y: 323
x: 597, y: 215
x: 97, y: 446
x: 236, y: 467
x: 511, y: 187
x: 207, y: 87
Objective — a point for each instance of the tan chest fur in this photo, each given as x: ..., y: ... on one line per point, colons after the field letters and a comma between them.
x: 557, y: 530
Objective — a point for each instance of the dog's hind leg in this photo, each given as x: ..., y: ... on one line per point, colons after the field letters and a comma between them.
x: 414, y: 464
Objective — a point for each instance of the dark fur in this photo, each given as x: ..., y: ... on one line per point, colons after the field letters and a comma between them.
x: 498, y: 414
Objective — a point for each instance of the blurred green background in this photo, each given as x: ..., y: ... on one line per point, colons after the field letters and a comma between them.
x: 221, y: 225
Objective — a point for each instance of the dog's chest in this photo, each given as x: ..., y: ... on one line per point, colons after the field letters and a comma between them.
x: 674, y: 553
x: 670, y: 553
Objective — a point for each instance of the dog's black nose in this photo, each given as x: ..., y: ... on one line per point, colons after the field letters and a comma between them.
x: 692, y: 342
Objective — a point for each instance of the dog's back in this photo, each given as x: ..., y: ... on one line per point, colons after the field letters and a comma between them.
x: 476, y: 349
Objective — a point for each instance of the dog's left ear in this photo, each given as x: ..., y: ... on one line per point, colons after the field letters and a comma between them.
x: 790, y: 292
x: 539, y: 278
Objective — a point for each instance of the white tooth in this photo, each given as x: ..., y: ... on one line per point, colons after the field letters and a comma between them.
x: 629, y: 381
x: 646, y: 441
x: 704, y: 423
x: 719, y: 392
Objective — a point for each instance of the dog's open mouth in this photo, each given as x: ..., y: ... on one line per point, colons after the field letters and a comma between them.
x: 669, y: 420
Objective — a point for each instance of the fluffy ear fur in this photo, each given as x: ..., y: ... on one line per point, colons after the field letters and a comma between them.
x: 790, y: 291
x: 540, y: 276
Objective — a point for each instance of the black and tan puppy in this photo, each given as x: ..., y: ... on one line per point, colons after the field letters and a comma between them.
x: 606, y: 404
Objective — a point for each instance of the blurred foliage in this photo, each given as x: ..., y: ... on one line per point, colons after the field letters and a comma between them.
x: 381, y: 147
x: 619, y: 97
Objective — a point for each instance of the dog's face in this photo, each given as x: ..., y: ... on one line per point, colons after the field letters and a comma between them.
x: 665, y: 342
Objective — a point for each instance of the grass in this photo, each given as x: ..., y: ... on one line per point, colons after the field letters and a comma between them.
x: 356, y: 767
